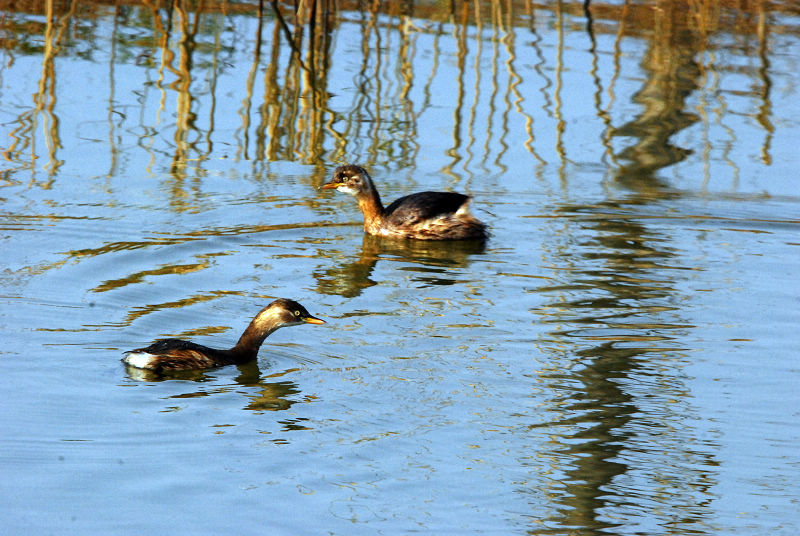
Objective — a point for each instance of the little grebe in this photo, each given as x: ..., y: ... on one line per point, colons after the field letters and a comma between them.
x: 424, y: 215
x: 166, y: 355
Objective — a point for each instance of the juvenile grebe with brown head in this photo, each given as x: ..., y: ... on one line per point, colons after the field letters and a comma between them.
x: 423, y: 215
x: 167, y: 355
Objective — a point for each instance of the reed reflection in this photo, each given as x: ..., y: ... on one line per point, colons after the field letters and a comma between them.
x: 663, y: 98
x: 23, y: 136
x: 617, y: 316
x: 618, y: 327
x: 433, y: 261
x: 295, y: 112
x: 192, y: 53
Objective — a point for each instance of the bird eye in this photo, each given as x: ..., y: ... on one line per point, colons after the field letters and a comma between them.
x: 297, y: 313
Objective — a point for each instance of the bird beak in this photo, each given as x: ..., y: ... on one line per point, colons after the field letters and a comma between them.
x: 313, y: 320
x: 330, y: 185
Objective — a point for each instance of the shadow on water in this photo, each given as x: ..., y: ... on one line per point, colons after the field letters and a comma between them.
x: 432, y: 262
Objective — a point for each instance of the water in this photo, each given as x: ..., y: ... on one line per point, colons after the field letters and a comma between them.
x: 620, y: 358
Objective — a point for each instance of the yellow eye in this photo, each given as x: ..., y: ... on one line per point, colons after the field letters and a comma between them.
x: 297, y: 313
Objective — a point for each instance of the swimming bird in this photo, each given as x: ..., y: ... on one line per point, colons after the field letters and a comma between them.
x: 166, y: 355
x: 423, y: 215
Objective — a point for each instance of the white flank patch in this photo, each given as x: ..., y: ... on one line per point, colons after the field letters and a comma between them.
x: 139, y: 359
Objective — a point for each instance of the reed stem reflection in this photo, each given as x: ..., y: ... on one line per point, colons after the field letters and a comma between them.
x: 623, y: 282
x: 615, y: 329
x: 44, y: 100
x: 291, y: 118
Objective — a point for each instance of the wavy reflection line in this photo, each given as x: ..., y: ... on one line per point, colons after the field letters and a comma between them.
x: 377, y: 115
x: 497, y: 29
x: 460, y: 36
x: 291, y: 122
x: 673, y: 75
x: 138, y: 277
x: 112, y: 61
x: 709, y: 81
x: 247, y: 101
x: 616, y: 72
x: 165, y: 59
x: 509, y: 42
x: 44, y: 100
x: 540, y: 66
x: 765, y: 108
x: 147, y: 138
x: 515, y: 82
x: 605, y: 117
x: 729, y: 147
x: 185, y: 125
x: 266, y: 133
x: 46, y: 96
x: 320, y: 48
x: 435, y: 55
x: 476, y: 87
x: 349, y: 134
x: 561, y: 124
x: 22, y: 137
x: 141, y: 311
x: 408, y: 52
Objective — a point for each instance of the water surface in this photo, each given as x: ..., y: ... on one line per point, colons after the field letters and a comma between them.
x: 620, y: 357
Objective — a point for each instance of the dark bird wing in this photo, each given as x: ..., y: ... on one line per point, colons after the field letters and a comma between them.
x: 167, y: 346
x: 424, y: 206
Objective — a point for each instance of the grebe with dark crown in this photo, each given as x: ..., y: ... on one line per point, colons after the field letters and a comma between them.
x: 166, y: 355
x: 423, y: 216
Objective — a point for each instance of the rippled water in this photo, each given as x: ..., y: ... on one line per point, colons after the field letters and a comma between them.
x: 620, y: 357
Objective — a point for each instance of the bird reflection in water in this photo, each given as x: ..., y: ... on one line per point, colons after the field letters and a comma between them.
x: 433, y: 260
x: 262, y: 394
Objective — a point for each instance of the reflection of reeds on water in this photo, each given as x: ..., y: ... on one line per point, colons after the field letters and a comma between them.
x: 294, y: 116
x: 615, y: 325
x: 285, y: 110
x: 23, y: 136
x: 674, y: 76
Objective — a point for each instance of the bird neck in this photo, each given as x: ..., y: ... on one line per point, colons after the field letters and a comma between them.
x: 369, y: 201
x: 251, y: 340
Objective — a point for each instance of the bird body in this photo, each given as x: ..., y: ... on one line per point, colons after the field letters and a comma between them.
x: 166, y: 355
x: 422, y: 216
x: 177, y: 354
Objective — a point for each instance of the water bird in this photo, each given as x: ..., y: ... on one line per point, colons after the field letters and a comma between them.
x: 423, y: 215
x: 166, y: 355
